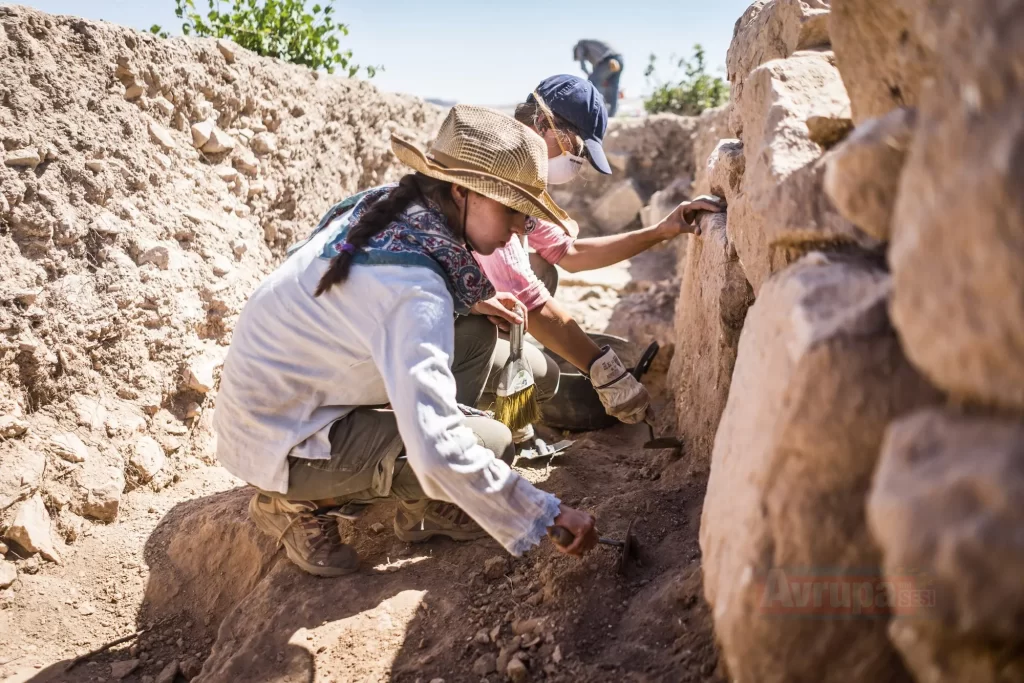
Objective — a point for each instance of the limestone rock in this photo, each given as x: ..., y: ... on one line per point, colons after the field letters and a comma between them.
x: 725, y: 167
x: 162, y: 105
x: 107, y: 224
x: 774, y: 29
x: 264, y: 143
x: 944, y: 509
x: 245, y: 162
x: 880, y: 55
x: 227, y: 48
x: 485, y: 664
x: 782, y: 204
x: 517, y: 671
x: 862, y: 176
x: 200, y: 371
x: 713, y: 302
x: 147, y: 458
x: 12, y: 426
x: 614, y: 211
x: 134, y: 91
x: 819, y: 376
x: 226, y: 173
x: 218, y: 142
x: 956, y: 250
x: 221, y: 265
x: 494, y: 568
x: 8, y: 574
x: 120, y: 670
x: 31, y: 529
x: 68, y: 446
x: 168, y: 673
x: 89, y: 412
x: 99, y: 491
x: 161, y: 136
x: 23, y: 158
x: 202, y: 132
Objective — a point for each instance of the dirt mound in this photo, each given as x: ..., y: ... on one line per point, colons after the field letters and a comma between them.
x: 145, y: 187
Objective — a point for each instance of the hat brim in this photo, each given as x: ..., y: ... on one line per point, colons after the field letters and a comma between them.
x: 522, y: 199
x: 595, y: 151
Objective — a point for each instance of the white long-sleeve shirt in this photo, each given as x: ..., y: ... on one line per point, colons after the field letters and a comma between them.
x: 297, y: 363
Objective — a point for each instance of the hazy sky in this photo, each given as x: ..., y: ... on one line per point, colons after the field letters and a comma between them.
x: 483, y: 51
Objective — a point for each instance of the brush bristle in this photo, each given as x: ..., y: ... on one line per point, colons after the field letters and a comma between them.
x: 519, y: 409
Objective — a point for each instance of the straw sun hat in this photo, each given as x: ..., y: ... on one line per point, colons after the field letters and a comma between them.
x: 493, y: 155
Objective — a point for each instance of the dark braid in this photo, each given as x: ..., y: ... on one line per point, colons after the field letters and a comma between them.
x: 411, y: 188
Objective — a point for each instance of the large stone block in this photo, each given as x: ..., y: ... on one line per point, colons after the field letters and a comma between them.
x: 774, y: 29
x: 819, y: 376
x: 880, y: 54
x: 782, y: 204
x: 725, y: 168
x: 619, y: 207
x: 946, y: 503
x: 958, y: 231
x: 862, y: 176
x: 713, y: 302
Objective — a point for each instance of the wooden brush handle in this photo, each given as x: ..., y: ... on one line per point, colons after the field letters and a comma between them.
x: 561, y: 536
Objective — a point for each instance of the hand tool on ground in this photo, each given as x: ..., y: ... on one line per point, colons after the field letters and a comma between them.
x: 664, y: 442
x: 629, y: 550
x: 542, y: 450
x: 516, y: 397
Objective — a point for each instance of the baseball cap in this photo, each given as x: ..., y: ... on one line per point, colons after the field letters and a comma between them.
x: 577, y: 101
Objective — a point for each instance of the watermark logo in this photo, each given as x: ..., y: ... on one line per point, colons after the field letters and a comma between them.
x: 844, y: 594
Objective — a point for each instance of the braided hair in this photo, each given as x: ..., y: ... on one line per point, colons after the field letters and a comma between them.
x: 412, y: 187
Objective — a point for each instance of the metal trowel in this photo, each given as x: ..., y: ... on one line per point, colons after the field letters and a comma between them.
x: 664, y: 442
x: 629, y: 551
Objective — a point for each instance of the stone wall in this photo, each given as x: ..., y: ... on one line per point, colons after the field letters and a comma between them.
x: 869, y: 433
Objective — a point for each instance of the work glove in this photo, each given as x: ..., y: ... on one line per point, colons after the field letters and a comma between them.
x: 621, y: 394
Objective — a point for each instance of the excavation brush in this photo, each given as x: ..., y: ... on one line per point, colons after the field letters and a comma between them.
x: 516, y: 398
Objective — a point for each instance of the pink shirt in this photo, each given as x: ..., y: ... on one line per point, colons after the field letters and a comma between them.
x: 509, y: 270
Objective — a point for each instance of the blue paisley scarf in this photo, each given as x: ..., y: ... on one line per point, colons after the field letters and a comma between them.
x: 419, y: 237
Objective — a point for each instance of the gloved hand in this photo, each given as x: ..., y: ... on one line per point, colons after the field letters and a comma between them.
x: 622, y: 396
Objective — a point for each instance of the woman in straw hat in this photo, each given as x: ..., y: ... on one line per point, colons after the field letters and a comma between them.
x: 345, y: 381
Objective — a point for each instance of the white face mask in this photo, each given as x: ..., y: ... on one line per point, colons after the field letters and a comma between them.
x: 564, y: 168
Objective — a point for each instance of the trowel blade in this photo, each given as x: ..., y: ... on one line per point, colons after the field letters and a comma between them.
x: 664, y: 442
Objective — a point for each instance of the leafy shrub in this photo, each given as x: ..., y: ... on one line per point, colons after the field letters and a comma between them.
x: 696, y: 91
x: 274, y: 28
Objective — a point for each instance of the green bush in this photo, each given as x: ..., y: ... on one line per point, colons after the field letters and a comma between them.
x: 690, y: 95
x: 274, y: 28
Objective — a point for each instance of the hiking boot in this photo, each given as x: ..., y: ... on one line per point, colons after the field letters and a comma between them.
x: 310, y: 535
x: 419, y: 520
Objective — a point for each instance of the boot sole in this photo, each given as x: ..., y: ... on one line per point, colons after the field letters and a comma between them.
x: 421, y: 536
x: 259, y: 518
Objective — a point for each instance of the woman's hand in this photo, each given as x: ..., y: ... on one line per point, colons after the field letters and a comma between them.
x: 503, y: 309
x: 681, y: 220
x: 581, y: 525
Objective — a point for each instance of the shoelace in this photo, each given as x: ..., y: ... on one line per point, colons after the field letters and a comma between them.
x: 326, y: 522
x: 453, y: 513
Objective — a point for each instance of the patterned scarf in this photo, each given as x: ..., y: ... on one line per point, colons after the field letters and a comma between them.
x: 419, y: 237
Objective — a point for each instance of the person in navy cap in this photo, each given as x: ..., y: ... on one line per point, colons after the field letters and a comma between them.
x: 569, y: 113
